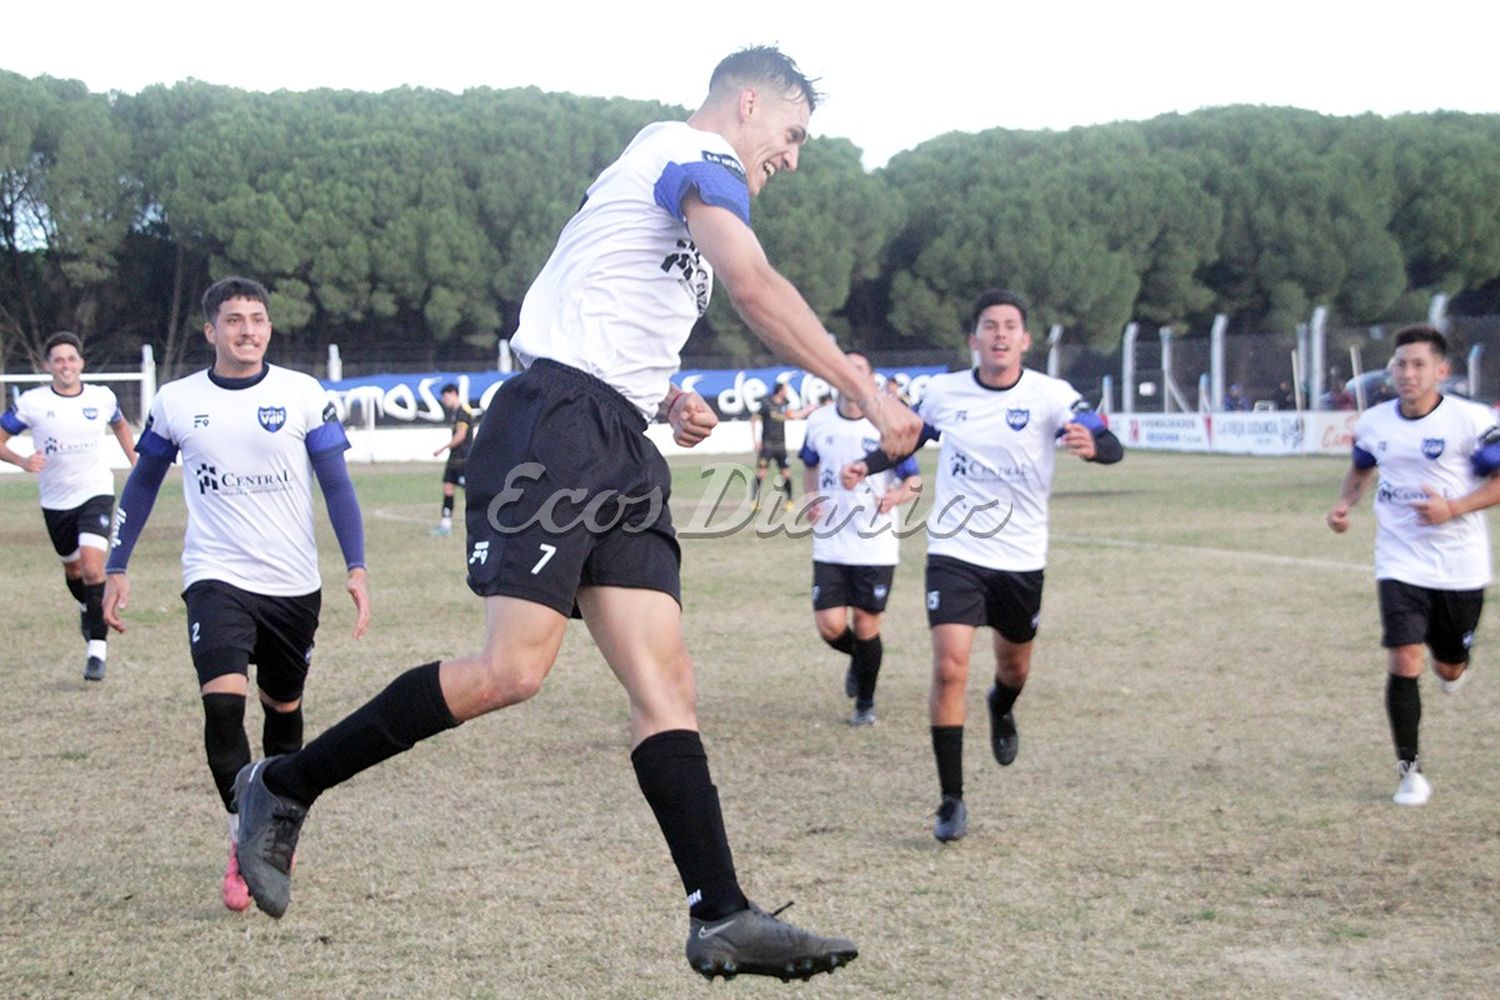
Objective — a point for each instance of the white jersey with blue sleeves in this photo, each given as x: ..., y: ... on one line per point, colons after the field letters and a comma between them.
x: 245, y: 448
x: 851, y: 531
x: 1450, y: 449
x: 67, y: 431
x: 999, y: 449
x: 625, y: 284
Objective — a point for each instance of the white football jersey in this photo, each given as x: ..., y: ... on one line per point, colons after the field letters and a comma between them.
x: 625, y: 284
x: 1435, y: 450
x: 850, y: 530
x: 246, y: 475
x: 995, y: 466
x: 68, y: 432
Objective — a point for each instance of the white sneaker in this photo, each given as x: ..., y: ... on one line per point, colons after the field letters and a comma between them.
x: 1414, y: 789
x: 1453, y: 686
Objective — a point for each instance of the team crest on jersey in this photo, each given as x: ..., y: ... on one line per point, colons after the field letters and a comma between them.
x: 90, y: 412
x: 1432, y: 447
x: 271, y: 417
x: 1017, y: 418
x: 869, y: 444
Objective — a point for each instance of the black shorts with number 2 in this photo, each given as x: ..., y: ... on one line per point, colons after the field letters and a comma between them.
x: 566, y: 491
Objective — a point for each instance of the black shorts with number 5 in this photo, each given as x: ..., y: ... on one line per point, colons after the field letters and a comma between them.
x: 566, y: 491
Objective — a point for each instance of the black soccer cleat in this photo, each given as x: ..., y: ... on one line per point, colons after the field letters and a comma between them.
x: 269, y: 827
x: 93, y: 670
x: 952, y: 819
x: 1004, y: 740
x: 753, y: 942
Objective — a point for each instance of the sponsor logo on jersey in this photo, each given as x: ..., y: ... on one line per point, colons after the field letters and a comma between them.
x: 91, y: 413
x: 230, y: 483
x: 729, y: 163
x: 208, y: 478
x: 1017, y: 418
x: 692, y: 275
x: 1432, y: 447
x: 271, y: 417
x: 1387, y: 493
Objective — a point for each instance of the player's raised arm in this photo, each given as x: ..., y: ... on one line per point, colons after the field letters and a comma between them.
x: 772, y: 307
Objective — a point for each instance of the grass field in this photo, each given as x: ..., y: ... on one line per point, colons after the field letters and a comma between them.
x: 1201, y: 806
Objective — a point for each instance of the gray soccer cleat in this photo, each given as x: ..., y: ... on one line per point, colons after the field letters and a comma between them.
x: 1004, y: 740
x: 94, y: 669
x: 862, y: 716
x: 269, y: 826
x: 753, y: 942
x: 952, y: 819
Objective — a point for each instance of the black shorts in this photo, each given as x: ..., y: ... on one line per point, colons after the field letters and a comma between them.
x: 566, y: 491
x: 838, y: 586
x: 1443, y: 620
x: 230, y: 628
x: 67, y: 527
x: 961, y: 593
x: 766, y: 456
x: 453, y: 472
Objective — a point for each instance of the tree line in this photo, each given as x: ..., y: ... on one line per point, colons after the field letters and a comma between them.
x: 384, y: 221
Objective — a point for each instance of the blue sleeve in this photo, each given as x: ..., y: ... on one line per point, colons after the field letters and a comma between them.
x: 715, y: 183
x: 908, y: 468
x: 1363, y: 459
x: 156, y: 446
x: 343, y: 505
x: 136, y: 501
x: 11, y: 422
x: 1486, y: 460
x: 879, y: 461
x: 117, y: 417
x: 808, y: 455
x: 328, y: 435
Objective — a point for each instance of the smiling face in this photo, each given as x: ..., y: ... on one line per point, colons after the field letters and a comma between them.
x: 240, y: 334
x: 1001, y: 340
x: 65, y: 365
x: 772, y: 129
x: 1417, y: 369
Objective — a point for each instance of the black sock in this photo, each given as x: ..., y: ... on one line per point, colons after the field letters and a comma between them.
x: 843, y: 642
x: 93, y: 615
x: 224, y: 739
x: 447, y: 506
x: 786, y: 487
x: 1403, y: 703
x: 1005, y: 697
x: 75, y: 587
x: 867, y: 656
x: 282, y: 731
x: 948, y: 748
x: 409, y: 710
x: 673, y: 773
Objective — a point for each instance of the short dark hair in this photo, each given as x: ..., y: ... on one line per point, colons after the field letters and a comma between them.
x: 450, y: 387
x: 996, y: 297
x: 233, y: 287
x: 1422, y: 333
x: 59, y: 339
x: 765, y: 63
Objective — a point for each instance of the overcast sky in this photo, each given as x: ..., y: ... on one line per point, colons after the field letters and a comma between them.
x: 892, y: 79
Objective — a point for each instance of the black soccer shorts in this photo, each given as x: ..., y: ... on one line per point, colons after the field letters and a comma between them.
x: 230, y: 628
x: 836, y: 585
x: 66, y: 528
x: 961, y: 593
x: 566, y: 491
x: 1444, y: 620
x: 453, y: 472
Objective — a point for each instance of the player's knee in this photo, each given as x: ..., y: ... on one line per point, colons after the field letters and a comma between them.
x: 508, y: 679
x: 830, y: 630
x: 950, y: 671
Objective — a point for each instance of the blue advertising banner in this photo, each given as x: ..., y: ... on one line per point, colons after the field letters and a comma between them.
x: 733, y: 393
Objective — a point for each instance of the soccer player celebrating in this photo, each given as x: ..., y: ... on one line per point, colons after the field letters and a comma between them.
x: 567, y: 497
x: 458, y: 452
x: 855, y: 546
x: 1437, y: 459
x: 252, y: 436
x: 987, y: 538
x: 67, y: 420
